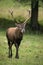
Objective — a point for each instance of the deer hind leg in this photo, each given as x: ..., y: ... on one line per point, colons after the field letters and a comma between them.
x: 17, y: 55
x: 10, y: 49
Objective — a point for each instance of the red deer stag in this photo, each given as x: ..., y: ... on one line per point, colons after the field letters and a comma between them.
x: 14, y: 36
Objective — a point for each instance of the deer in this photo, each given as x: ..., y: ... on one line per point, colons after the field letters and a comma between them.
x: 14, y: 36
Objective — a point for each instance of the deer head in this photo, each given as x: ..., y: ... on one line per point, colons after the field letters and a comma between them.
x: 21, y: 26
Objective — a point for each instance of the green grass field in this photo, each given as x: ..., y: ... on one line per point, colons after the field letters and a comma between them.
x: 30, y: 51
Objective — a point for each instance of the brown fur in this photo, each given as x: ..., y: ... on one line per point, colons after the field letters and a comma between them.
x: 14, y: 36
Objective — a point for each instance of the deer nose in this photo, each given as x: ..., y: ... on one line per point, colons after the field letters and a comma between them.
x: 23, y: 30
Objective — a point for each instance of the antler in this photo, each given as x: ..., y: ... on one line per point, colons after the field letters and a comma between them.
x: 11, y: 12
x: 26, y: 21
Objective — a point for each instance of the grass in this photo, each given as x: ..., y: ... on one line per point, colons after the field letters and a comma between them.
x: 30, y: 51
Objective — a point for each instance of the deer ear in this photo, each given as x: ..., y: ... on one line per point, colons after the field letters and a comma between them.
x: 17, y: 24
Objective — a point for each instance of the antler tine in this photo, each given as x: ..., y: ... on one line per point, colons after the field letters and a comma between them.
x: 11, y: 12
x: 26, y: 20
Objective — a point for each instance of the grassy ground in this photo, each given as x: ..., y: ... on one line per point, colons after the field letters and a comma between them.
x: 30, y: 51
